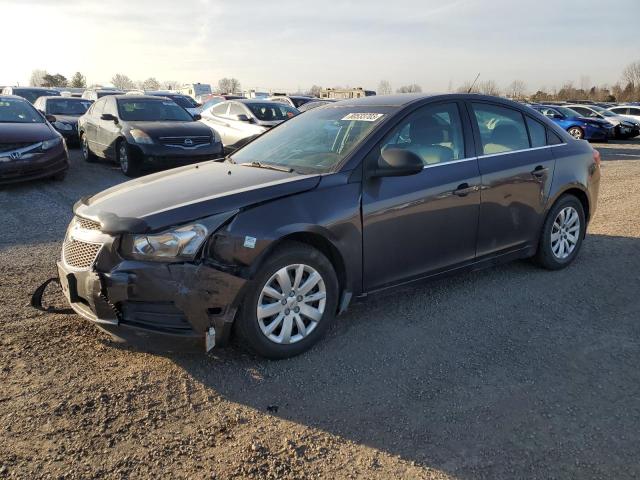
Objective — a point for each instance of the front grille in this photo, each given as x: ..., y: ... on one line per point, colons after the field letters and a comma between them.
x: 87, y: 224
x: 8, y: 147
x: 185, y: 142
x: 79, y: 254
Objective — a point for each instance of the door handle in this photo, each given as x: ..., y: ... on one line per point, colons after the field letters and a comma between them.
x: 539, y: 171
x: 465, y: 189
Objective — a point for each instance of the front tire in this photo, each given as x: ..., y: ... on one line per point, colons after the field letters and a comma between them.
x: 129, y: 165
x: 290, y: 303
x: 562, y: 234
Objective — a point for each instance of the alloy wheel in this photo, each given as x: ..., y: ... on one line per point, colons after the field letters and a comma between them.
x: 291, y: 304
x: 85, y: 147
x: 123, y: 156
x: 565, y: 233
x: 576, y: 133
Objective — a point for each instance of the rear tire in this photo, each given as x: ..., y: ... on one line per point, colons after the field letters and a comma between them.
x: 305, y: 280
x: 562, y: 234
x: 87, y: 155
x: 576, y: 132
x: 129, y: 164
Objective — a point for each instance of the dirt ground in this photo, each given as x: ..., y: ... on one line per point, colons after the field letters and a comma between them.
x: 512, y: 372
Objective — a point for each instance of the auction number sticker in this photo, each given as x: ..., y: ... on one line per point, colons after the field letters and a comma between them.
x: 363, y: 117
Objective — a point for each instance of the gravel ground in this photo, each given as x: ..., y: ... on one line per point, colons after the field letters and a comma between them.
x: 512, y: 372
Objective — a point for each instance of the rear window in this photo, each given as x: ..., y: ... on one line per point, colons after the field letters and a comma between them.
x: 33, y: 94
x: 537, y: 133
x: 66, y: 106
x: 501, y: 129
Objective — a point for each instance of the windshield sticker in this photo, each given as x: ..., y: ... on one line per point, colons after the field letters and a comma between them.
x: 169, y: 103
x: 363, y: 117
x: 250, y: 242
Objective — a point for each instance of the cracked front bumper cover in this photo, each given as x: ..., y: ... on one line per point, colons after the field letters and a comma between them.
x: 155, y: 302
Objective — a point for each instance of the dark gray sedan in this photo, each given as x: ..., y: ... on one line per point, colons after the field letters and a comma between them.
x: 336, y: 204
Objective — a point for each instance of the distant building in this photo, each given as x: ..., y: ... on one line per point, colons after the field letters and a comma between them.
x: 196, y: 89
x: 343, y: 93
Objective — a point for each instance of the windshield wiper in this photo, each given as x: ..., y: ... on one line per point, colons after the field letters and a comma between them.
x: 268, y: 166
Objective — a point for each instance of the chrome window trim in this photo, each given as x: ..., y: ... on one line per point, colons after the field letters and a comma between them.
x: 519, y: 151
x: 440, y: 164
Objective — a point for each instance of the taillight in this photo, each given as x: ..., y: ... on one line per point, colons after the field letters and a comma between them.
x: 596, y: 157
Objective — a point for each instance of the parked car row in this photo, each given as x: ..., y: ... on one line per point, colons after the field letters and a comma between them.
x: 593, y: 122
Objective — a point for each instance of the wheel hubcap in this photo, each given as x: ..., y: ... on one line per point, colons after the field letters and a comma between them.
x: 85, y: 148
x: 575, y: 133
x: 124, y: 159
x: 291, y: 304
x: 565, y: 233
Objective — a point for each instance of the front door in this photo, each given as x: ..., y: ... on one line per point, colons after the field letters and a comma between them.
x: 424, y: 223
x: 516, y: 166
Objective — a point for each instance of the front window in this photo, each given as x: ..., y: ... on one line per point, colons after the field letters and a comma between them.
x: 66, y: 106
x: 314, y: 142
x: 152, y: 111
x: 272, y: 111
x: 18, y: 111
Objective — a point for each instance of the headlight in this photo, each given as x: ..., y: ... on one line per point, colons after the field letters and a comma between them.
x: 182, y: 242
x: 177, y: 243
x: 140, y: 137
x: 216, y: 136
x: 62, y: 126
x: 49, y: 144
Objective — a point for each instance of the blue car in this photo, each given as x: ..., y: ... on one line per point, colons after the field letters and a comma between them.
x: 579, y: 127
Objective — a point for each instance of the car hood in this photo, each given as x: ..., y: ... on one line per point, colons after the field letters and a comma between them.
x: 26, y: 132
x: 171, y: 129
x: 188, y: 193
x: 269, y: 124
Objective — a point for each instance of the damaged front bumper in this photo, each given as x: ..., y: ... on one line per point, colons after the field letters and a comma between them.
x: 159, y: 304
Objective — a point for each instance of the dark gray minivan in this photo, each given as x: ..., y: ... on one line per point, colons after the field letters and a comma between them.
x: 345, y: 200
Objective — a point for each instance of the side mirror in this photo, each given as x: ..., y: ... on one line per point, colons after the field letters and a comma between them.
x: 556, y: 115
x: 51, y: 118
x: 397, y: 162
x: 197, y: 116
x: 109, y: 118
x: 243, y: 118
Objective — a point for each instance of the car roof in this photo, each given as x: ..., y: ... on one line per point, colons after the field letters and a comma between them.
x: 44, y: 89
x: 138, y: 97
x: 404, y: 99
x: 249, y: 100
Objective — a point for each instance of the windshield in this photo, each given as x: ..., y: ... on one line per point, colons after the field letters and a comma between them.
x: 314, y: 142
x: 603, y: 111
x: 18, y: 111
x: 33, y: 94
x: 67, y: 106
x: 152, y: 111
x: 182, y: 100
x: 271, y: 111
x: 297, y: 101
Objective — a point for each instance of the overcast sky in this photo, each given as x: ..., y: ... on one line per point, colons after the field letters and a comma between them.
x: 287, y: 44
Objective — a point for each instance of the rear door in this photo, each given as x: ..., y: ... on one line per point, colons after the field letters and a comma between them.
x: 425, y: 223
x: 109, y: 131
x: 91, y: 127
x: 217, y: 118
x: 516, y: 166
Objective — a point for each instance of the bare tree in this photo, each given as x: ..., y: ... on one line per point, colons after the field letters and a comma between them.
x: 488, y: 87
x: 384, y: 88
x: 78, y: 81
x: 315, y: 90
x: 150, y: 84
x: 37, y: 78
x: 631, y: 73
x: 228, y: 85
x: 171, y: 85
x: 122, y: 82
x: 413, y: 88
x: 517, y: 90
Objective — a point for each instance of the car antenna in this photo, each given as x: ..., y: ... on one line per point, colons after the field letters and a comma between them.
x: 474, y: 83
